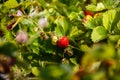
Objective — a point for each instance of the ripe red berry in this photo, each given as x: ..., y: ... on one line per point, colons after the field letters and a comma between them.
x: 63, y: 42
x: 88, y: 13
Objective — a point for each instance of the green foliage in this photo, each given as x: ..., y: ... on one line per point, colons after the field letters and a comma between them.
x: 110, y: 19
x: 94, y: 41
x: 8, y: 48
x: 93, y: 22
x: 99, y: 33
x: 11, y: 4
x: 63, y: 26
x: 35, y: 71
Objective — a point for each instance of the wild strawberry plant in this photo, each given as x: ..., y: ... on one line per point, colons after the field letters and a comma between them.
x: 60, y: 39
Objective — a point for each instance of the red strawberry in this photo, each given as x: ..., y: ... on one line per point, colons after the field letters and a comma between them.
x: 88, y: 13
x: 63, y: 42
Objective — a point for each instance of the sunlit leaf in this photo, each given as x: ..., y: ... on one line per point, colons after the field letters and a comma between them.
x: 63, y: 26
x: 110, y: 19
x: 35, y: 71
x: 99, y: 33
x: 43, y: 3
x: 11, y: 4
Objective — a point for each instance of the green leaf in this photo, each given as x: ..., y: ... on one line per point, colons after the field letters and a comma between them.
x: 108, y: 3
x: 111, y: 3
x: 110, y: 19
x: 114, y: 38
x: 47, y: 47
x: 93, y: 22
x: 59, y: 31
x: 35, y: 71
x: 27, y: 4
x: 73, y: 60
x: 43, y: 3
x: 73, y: 15
x: 69, y: 2
x: 91, y: 7
x: 63, y: 26
x: 100, y: 7
x: 103, y: 51
x: 11, y: 4
x: 8, y: 48
x: 117, y: 28
x: 35, y: 47
x: 75, y: 32
x: 84, y: 48
x: 99, y: 33
x: 60, y: 7
x: 26, y: 22
x: 56, y: 72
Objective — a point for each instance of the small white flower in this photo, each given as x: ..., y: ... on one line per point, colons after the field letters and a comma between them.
x: 21, y: 37
x: 100, y: 6
x: 43, y: 22
x: 19, y: 13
